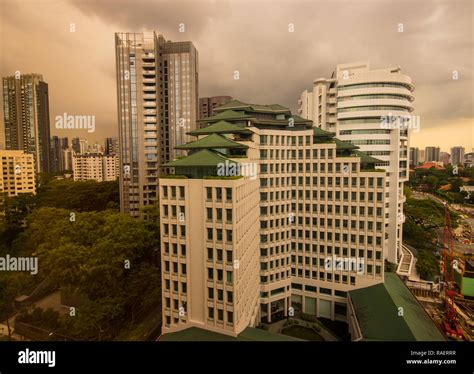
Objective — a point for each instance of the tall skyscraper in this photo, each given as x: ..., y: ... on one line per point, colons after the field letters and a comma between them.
x: 268, y: 206
x: 432, y: 154
x: 157, y: 96
x: 414, y: 156
x: 457, y: 155
x: 208, y: 104
x: 111, y: 146
x: 370, y: 109
x: 26, y: 115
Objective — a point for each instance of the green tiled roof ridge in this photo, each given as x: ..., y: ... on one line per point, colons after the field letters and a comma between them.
x: 212, y: 141
x: 219, y: 127
x: 202, y: 158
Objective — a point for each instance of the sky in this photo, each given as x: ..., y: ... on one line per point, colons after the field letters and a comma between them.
x: 71, y: 43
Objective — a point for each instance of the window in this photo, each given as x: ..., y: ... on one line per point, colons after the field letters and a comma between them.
x: 229, y: 277
x: 210, y: 293
x: 230, y: 317
x: 228, y: 193
x: 228, y: 215
x: 209, y: 214
x: 209, y: 193
x: 211, y: 312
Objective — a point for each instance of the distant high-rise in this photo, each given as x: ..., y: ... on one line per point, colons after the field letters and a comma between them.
x: 67, y: 155
x: 432, y: 154
x: 208, y: 104
x: 157, y: 97
x: 111, y: 146
x: 76, y: 145
x: 58, y: 145
x: 414, y: 156
x: 457, y: 155
x: 26, y: 115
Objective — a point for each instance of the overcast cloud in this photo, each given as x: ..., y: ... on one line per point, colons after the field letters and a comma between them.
x: 252, y: 37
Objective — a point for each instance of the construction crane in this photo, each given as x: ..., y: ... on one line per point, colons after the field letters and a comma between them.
x: 450, y: 323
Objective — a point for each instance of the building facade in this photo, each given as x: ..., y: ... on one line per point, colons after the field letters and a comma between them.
x: 267, y: 216
x: 432, y: 154
x: 95, y: 166
x: 157, y: 94
x: 208, y: 104
x: 17, y: 173
x: 457, y: 155
x: 26, y: 117
x: 370, y: 109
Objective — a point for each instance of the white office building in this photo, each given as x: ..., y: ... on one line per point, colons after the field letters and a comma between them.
x: 371, y: 109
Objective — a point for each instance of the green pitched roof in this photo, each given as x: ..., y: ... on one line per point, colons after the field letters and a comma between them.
x: 377, y: 312
x: 239, y: 105
x: 204, y: 158
x: 366, y: 159
x: 249, y: 334
x: 226, y: 115
x: 320, y: 133
x: 220, y: 127
x: 343, y: 145
x: 212, y: 141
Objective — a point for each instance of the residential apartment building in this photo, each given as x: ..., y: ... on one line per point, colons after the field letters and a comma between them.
x: 26, y: 117
x: 457, y: 155
x: 208, y: 104
x: 414, y: 156
x: 432, y: 154
x: 369, y: 108
x: 17, y: 173
x: 255, y: 215
x: 95, y: 166
x: 157, y: 94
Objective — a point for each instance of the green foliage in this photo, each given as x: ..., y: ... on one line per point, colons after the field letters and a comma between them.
x: 89, y: 255
x: 83, y: 196
x: 427, y: 265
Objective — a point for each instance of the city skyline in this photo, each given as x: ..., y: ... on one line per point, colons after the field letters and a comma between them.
x: 429, y: 34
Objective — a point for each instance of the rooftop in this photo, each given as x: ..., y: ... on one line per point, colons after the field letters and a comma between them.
x: 377, y: 313
x: 215, y: 141
x: 203, y: 158
x: 220, y: 127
